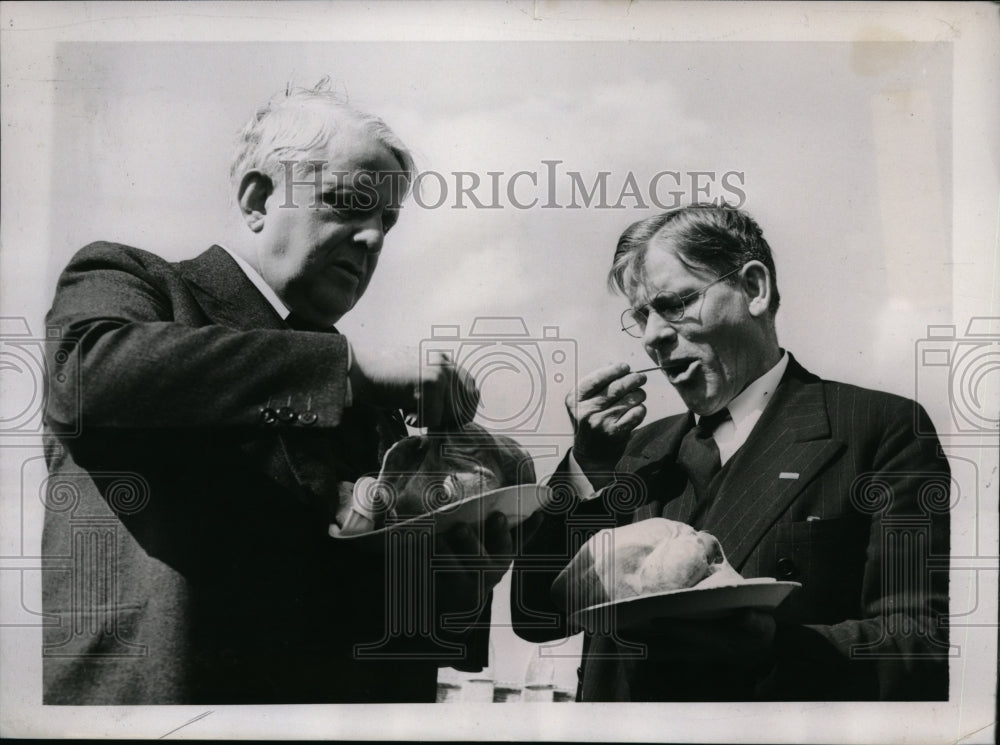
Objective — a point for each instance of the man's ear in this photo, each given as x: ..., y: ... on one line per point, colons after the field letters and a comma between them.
x: 255, y: 188
x: 757, y: 287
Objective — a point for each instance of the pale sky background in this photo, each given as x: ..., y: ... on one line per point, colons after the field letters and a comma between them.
x: 847, y: 151
x: 843, y: 151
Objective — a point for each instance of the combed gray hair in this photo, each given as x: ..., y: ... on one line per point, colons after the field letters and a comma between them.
x: 300, y: 121
x: 716, y: 239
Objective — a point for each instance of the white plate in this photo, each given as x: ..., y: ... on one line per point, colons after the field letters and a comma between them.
x: 518, y: 503
x: 762, y: 593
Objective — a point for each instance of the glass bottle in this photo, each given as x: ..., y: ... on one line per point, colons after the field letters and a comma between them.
x: 539, y: 680
x: 478, y: 687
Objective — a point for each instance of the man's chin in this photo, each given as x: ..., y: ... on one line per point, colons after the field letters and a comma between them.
x: 698, y: 401
x: 321, y: 315
x: 335, y: 306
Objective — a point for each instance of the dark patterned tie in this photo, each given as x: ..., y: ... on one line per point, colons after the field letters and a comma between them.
x: 699, y: 455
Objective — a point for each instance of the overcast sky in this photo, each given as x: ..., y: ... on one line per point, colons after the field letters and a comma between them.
x: 842, y: 152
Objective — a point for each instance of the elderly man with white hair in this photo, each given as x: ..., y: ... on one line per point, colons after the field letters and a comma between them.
x: 222, y: 422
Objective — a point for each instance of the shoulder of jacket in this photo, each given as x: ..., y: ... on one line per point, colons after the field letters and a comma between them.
x: 869, y: 396
x: 108, y: 252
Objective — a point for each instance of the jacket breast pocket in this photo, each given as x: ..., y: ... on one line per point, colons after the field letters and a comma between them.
x: 828, y: 557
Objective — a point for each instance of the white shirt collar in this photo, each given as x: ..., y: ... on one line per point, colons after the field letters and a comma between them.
x: 258, y: 281
x: 746, y: 408
x: 755, y: 396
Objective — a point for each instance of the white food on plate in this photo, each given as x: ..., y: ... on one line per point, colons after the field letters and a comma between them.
x: 658, y: 555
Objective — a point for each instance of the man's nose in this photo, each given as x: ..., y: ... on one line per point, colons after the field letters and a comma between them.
x: 658, y: 331
x: 371, y: 234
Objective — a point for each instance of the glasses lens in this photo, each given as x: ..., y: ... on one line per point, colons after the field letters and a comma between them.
x: 668, y: 306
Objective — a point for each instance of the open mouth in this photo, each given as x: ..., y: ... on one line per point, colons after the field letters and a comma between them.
x: 680, y: 370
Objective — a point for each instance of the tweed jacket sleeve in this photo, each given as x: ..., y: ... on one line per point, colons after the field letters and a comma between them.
x: 177, y: 345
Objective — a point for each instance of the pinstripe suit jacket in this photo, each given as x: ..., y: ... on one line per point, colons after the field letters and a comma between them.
x: 186, y: 551
x: 832, y: 489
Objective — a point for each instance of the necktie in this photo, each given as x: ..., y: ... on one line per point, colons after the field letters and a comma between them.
x: 699, y: 455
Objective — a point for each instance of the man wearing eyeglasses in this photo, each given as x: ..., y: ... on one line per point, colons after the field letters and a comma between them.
x: 801, y: 479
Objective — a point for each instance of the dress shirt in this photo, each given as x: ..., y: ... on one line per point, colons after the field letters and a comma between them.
x: 258, y: 281
x: 744, y: 411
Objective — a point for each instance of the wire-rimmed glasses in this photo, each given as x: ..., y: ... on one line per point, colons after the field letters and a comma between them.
x: 667, y: 304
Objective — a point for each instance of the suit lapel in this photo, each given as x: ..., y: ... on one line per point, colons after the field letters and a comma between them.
x: 790, y: 444
x: 225, y: 293
x: 653, y: 461
x: 299, y: 460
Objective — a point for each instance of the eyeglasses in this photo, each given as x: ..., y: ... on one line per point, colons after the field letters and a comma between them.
x: 667, y: 305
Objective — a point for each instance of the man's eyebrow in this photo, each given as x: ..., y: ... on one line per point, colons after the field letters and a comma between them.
x: 346, y: 191
x: 362, y: 200
x: 330, y: 186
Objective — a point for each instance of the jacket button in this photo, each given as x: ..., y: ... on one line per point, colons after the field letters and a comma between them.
x: 267, y: 415
x: 308, y: 417
x: 786, y: 568
x: 286, y: 414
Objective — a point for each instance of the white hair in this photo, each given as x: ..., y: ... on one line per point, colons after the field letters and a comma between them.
x: 299, y: 122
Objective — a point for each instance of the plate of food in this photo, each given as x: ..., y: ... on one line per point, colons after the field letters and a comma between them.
x: 517, y: 503
x: 440, y: 480
x: 631, y: 576
x: 712, y: 601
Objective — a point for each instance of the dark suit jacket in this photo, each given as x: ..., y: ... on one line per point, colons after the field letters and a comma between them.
x: 832, y: 489
x: 187, y: 558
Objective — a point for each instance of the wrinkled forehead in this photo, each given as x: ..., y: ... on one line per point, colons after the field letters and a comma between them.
x: 353, y: 159
x: 662, y: 265
x: 647, y: 261
x: 351, y: 147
